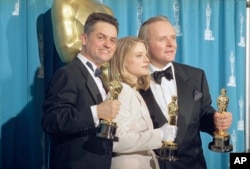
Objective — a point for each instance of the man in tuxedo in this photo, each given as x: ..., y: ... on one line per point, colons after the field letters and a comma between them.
x: 75, y: 101
x: 189, y: 84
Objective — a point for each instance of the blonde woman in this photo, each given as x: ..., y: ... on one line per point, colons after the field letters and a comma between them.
x: 137, y: 138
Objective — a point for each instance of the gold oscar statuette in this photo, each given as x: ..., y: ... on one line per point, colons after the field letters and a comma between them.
x: 107, y: 128
x: 221, y: 138
x: 168, y: 150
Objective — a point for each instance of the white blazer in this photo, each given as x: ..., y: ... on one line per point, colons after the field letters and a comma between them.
x: 136, y: 135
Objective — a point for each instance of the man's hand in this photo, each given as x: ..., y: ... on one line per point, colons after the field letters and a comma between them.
x: 108, y: 109
x: 223, y: 120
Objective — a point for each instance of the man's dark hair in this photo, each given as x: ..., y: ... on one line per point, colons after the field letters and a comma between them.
x: 95, y: 17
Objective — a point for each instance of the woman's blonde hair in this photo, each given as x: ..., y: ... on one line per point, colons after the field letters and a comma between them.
x: 123, y: 46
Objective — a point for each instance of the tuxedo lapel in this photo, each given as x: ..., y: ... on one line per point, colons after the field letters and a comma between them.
x: 90, y: 83
x: 185, y: 102
x: 155, y: 112
x: 94, y: 89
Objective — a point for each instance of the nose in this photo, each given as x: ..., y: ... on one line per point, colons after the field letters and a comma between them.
x: 168, y: 41
x: 107, y: 43
x: 146, y: 59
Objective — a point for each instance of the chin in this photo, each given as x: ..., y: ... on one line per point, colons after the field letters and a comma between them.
x: 145, y: 73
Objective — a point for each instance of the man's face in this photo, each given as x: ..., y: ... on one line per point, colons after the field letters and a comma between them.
x: 162, y: 43
x: 99, y: 45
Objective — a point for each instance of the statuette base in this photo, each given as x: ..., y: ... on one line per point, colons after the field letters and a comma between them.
x: 107, y: 129
x: 169, y: 152
x: 220, y: 143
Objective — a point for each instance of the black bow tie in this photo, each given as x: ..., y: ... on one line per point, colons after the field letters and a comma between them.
x: 157, y: 75
x: 97, y: 71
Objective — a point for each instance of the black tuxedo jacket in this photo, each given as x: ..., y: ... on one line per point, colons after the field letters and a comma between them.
x: 68, y: 120
x: 195, y: 114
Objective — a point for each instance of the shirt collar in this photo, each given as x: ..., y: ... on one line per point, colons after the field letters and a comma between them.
x: 84, y: 60
x: 153, y: 68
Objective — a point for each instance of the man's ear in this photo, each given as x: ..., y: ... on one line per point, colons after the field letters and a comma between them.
x: 84, y: 38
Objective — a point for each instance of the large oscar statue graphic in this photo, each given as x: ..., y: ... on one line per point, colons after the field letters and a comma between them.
x: 107, y: 128
x: 168, y: 150
x: 221, y: 138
